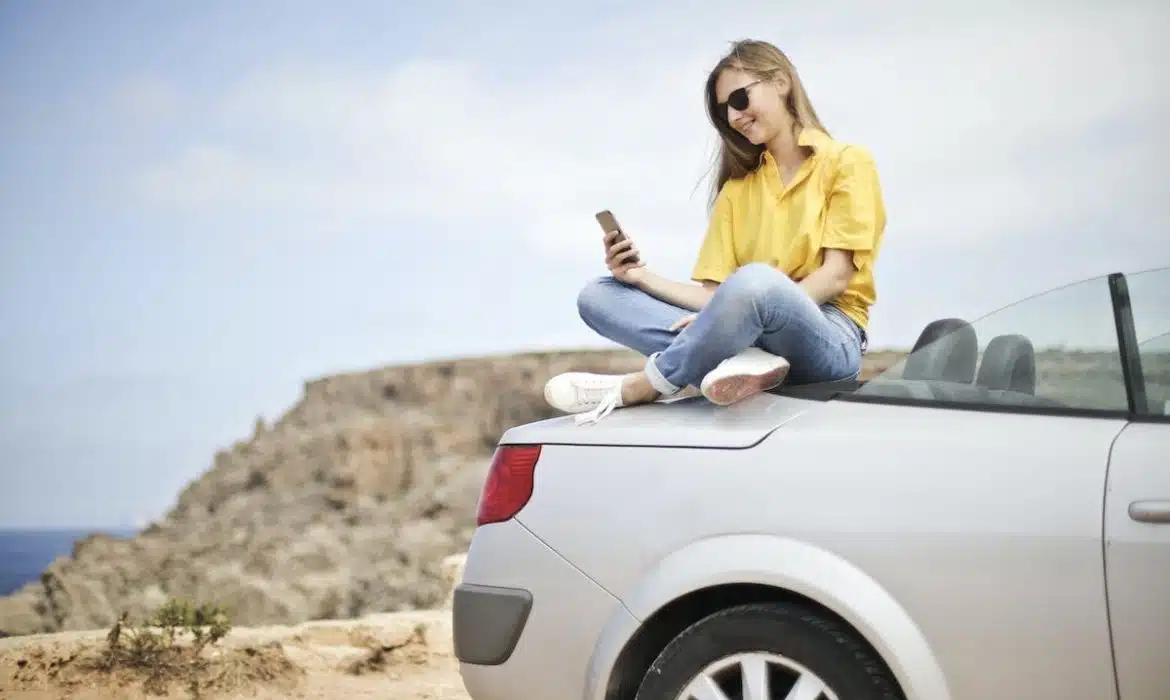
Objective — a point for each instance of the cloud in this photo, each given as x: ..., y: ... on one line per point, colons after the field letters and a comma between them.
x: 435, y: 142
x: 147, y: 99
x: 991, y: 129
x: 985, y: 130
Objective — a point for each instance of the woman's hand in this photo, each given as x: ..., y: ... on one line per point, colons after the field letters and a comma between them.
x: 683, y: 322
x: 623, y: 258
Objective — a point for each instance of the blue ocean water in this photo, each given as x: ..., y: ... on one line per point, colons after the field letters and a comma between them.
x: 24, y: 554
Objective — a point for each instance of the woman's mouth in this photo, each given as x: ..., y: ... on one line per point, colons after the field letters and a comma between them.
x: 744, y: 126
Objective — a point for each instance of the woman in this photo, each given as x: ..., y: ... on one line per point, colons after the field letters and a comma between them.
x: 785, y: 275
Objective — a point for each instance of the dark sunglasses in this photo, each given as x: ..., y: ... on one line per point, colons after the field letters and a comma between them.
x: 738, y: 99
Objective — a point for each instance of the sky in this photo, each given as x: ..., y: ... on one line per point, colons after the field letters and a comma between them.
x: 203, y: 205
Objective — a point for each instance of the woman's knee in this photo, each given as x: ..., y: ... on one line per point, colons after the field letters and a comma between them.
x: 755, y: 282
x: 597, y: 298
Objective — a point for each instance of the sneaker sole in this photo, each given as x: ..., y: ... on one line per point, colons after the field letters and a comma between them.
x: 725, y: 391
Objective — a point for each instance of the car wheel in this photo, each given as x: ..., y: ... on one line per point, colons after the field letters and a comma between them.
x: 767, y: 651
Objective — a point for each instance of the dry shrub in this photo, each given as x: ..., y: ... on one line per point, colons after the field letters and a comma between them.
x: 173, y: 648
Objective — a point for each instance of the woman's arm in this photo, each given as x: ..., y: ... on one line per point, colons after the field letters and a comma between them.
x: 854, y: 225
x: 715, y: 262
x: 829, y: 280
x: 688, y: 296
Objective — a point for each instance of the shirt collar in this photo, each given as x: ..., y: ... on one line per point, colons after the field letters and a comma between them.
x: 815, y: 138
x: 808, y: 136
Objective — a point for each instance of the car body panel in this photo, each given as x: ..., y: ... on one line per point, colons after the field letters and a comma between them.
x: 1001, y: 511
x: 551, y: 658
x: 807, y: 570
x: 1137, y: 558
x: 689, y: 422
x: 617, y: 633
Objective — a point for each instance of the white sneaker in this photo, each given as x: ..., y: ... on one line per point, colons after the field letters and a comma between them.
x: 743, y: 375
x: 591, y: 395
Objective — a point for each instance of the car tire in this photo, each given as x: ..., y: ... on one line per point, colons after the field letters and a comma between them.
x: 800, y: 641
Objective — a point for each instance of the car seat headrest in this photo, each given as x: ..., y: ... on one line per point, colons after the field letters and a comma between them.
x: 1009, y: 363
x: 946, y: 350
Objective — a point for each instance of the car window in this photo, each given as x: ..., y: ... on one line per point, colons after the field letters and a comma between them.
x: 1149, y: 295
x: 1155, y: 354
x: 1056, y: 350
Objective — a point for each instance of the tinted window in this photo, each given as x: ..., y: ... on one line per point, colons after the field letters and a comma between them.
x: 1149, y: 294
x: 1057, y: 350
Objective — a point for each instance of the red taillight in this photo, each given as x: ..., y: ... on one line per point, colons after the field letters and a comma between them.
x: 509, y: 483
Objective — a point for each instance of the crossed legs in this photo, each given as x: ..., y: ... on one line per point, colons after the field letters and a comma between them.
x: 757, y: 313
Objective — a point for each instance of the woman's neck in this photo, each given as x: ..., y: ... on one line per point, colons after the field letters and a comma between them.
x: 785, y: 150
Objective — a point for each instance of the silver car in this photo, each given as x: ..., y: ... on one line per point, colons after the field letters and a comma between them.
x: 989, y: 519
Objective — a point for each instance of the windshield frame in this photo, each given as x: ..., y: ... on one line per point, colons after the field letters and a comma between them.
x: 1127, y: 343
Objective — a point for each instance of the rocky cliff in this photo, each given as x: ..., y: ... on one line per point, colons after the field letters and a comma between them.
x: 342, y: 507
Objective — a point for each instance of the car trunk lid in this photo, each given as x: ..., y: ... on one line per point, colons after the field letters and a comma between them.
x: 688, y: 422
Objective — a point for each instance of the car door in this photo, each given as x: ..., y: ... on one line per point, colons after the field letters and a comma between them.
x: 1137, y: 559
x: 1137, y: 506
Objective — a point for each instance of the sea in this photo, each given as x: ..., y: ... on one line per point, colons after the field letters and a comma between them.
x: 24, y: 554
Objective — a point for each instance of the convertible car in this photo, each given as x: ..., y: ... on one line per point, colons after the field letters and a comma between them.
x: 987, y: 519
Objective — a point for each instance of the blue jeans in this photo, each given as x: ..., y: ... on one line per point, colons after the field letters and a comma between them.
x: 756, y: 305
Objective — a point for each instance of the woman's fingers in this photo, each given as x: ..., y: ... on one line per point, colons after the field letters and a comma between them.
x: 616, y: 248
x: 683, y: 322
x: 622, y: 253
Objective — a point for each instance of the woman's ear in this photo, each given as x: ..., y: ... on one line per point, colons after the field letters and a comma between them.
x: 783, y: 86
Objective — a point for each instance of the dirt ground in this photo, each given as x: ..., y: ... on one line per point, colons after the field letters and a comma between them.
x: 399, y: 656
x: 405, y: 656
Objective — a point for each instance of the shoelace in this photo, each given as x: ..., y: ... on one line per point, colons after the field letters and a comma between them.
x: 604, y: 407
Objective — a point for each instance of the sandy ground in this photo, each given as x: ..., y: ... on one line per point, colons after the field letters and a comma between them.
x: 405, y: 656
x: 388, y: 656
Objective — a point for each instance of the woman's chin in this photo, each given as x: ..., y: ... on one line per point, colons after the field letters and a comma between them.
x: 755, y: 135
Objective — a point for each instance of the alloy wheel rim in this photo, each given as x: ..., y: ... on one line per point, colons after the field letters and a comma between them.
x: 756, y: 675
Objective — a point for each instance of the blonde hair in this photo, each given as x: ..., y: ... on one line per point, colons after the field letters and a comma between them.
x: 737, y: 156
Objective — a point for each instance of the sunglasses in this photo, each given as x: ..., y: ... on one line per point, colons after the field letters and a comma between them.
x: 738, y: 99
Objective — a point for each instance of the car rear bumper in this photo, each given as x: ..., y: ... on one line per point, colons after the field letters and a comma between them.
x: 526, y: 622
x: 488, y: 622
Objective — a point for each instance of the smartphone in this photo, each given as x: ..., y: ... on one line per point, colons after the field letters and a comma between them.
x: 609, y: 223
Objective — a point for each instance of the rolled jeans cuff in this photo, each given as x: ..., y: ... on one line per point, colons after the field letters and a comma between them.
x: 657, y: 380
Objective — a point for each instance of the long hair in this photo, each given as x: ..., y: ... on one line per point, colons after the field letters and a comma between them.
x: 737, y: 156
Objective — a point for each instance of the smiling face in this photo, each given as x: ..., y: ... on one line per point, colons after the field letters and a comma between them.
x: 753, y: 107
x: 753, y: 95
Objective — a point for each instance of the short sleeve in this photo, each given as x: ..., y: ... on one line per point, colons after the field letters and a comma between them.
x: 716, y: 260
x: 855, y: 215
